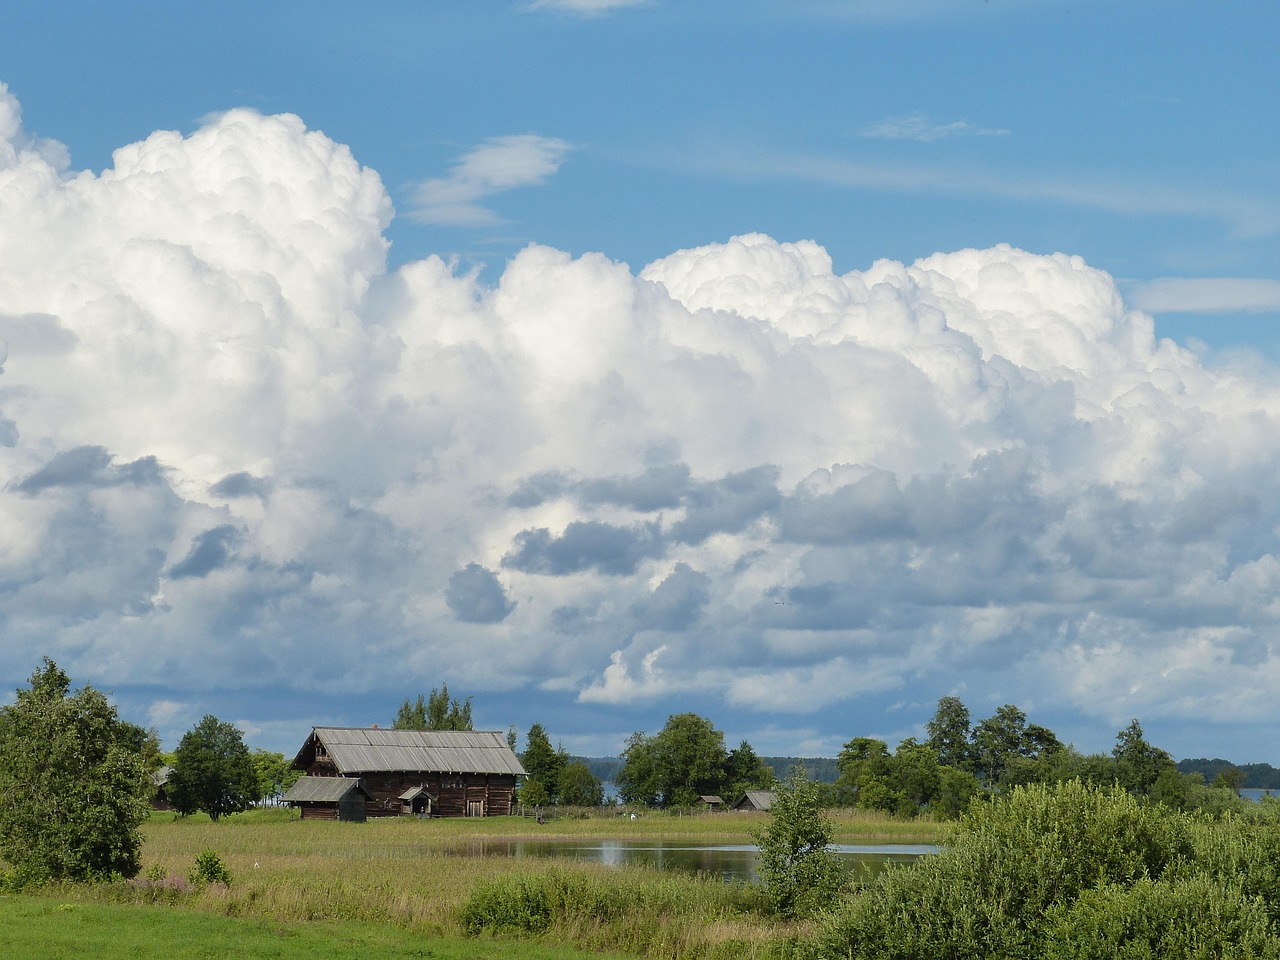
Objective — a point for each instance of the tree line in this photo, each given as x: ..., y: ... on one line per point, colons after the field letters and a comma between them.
x: 960, y: 760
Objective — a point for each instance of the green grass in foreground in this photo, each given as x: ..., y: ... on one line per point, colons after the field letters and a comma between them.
x: 38, y: 928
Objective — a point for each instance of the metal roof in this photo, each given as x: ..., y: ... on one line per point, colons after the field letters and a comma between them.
x: 359, y: 750
x: 321, y: 789
x: 758, y: 799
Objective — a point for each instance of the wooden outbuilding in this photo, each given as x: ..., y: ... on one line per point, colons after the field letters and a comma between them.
x: 160, y: 789
x: 711, y: 803
x: 756, y: 800
x: 437, y: 773
x: 329, y: 798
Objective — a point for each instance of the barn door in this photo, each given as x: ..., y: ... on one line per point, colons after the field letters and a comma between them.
x: 475, y: 808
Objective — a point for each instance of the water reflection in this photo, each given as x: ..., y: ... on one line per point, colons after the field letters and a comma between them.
x: 728, y: 861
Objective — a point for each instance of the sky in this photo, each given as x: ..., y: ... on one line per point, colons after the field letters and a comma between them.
x: 792, y: 364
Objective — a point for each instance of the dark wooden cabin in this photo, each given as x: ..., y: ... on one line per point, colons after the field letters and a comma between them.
x: 329, y: 798
x: 756, y: 800
x: 437, y: 773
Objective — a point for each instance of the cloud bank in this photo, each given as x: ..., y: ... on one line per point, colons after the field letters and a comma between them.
x: 240, y: 452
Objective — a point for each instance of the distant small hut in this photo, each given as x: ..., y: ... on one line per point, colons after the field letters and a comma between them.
x: 711, y: 803
x: 761, y: 800
x: 435, y: 773
x: 329, y: 798
x: 160, y: 789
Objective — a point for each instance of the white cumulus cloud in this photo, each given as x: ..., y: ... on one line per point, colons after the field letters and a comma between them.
x: 241, y: 456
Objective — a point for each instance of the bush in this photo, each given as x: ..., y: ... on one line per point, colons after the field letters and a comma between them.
x: 208, y: 869
x: 1008, y: 863
x: 1196, y: 918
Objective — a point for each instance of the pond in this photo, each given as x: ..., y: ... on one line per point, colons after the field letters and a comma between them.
x: 728, y: 861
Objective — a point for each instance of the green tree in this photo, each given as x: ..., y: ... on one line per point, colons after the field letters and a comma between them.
x: 273, y: 773
x: 800, y: 874
x: 1231, y: 777
x: 411, y: 716
x: 684, y: 761
x: 445, y: 713
x: 1138, y: 763
x: 144, y: 742
x: 949, y: 733
x: 1000, y: 740
x: 72, y: 783
x: 864, y: 779
x: 438, y: 711
x: 745, y: 770
x: 640, y: 779
x: 578, y: 786
x: 542, y: 762
x: 917, y: 776
x: 213, y: 771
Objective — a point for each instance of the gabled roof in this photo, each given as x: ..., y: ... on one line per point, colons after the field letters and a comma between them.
x: 359, y: 750
x: 321, y: 789
x: 413, y: 793
x: 756, y: 800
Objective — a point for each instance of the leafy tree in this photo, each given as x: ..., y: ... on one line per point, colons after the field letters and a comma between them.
x: 144, y: 742
x: 72, y: 783
x: 273, y: 773
x: 1138, y: 763
x: 213, y: 771
x: 799, y: 873
x: 949, y: 733
x: 997, y: 741
x: 534, y: 794
x: 435, y: 712
x: 542, y: 761
x: 640, y: 780
x: 745, y: 770
x: 578, y: 786
x: 684, y: 761
x: 1231, y: 777
x: 917, y: 776
x: 864, y: 779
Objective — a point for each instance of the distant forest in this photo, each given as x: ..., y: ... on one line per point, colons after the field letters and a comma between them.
x: 1259, y: 776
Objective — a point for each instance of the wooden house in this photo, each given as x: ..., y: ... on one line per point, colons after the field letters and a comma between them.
x: 437, y: 773
x: 756, y: 800
x: 711, y: 803
x: 160, y: 789
x: 329, y: 798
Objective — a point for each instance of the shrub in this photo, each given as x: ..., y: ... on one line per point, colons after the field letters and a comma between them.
x: 1194, y: 918
x: 1008, y: 863
x: 208, y: 869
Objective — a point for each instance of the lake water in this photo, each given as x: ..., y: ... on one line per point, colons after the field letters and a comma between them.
x: 728, y: 861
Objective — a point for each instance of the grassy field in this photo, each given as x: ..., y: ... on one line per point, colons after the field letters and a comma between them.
x: 404, y: 877
x: 43, y: 928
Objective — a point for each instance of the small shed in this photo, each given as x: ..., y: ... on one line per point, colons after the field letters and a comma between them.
x: 329, y: 798
x: 160, y: 789
x: 761, y: 800
x: 711, y: 803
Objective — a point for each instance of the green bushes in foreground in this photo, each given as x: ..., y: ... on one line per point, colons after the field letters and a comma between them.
x: 1071, y: 871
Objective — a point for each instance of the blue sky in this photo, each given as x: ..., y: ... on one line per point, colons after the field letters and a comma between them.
x: 499, y: 398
